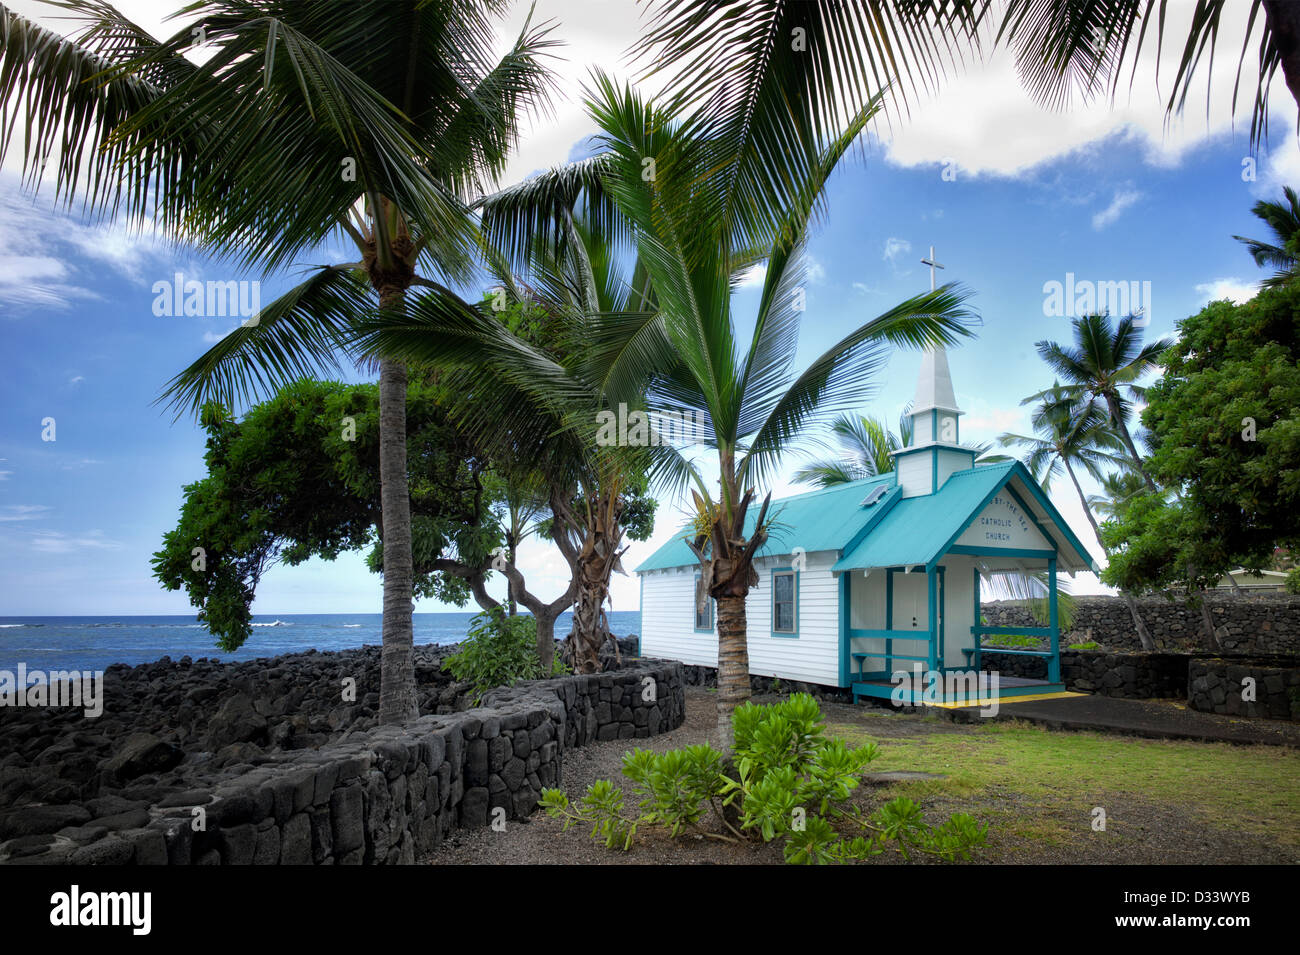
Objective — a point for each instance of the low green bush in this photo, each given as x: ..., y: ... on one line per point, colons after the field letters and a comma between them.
x: 498, y: 651
x: 789, y: 781
x: 1012, y: 641
x: 1090, y: 645
x: 1292, y: 583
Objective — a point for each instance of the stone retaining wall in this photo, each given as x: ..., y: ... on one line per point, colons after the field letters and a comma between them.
x: 1139, y: 676
x: 1254, y: 623
x: 386, y: 797
x: 1214, y: 685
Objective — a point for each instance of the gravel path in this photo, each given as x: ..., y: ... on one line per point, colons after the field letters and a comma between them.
x: 1152, y: 833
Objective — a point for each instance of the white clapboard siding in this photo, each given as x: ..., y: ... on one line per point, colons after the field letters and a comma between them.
x: 667, y: 622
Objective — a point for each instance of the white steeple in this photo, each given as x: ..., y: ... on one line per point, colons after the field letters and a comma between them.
x: 934, y: 451
x: 934, y: 385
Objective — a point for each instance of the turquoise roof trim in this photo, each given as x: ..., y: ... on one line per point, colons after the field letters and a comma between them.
x: 896, y: 531
x: 919, y: 530
x: 825, y: 519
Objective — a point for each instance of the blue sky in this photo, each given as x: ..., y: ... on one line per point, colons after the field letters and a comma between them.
x: 1107, y: 196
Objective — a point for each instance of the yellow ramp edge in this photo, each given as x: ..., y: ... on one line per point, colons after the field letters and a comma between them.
x: 1006, y: 700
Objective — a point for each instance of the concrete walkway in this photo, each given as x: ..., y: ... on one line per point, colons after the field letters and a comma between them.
x: 1154, y: 719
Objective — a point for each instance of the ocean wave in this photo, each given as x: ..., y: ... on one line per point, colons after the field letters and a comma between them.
x: 274, y: 623
x: 10, y: 626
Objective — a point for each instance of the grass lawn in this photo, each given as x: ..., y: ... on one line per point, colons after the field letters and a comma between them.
x: 1036, y: 787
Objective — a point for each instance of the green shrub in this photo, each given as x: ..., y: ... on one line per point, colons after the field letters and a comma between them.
x: 1012, y: 640
x: 499, y: 650
x: 1090, y: 645
x: 1292, y: 583
x: 791, y: 782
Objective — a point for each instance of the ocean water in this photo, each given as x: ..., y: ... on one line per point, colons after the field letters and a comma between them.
x: 94, y: 643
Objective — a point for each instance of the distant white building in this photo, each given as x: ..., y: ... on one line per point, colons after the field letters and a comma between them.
x: 863, y: 580
x: 1264, y: 581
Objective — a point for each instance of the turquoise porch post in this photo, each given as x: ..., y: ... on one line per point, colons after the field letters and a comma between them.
x: 1054, y: 661
x: 931, y: 587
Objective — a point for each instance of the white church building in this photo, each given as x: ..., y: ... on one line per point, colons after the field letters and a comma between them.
x: 862, y: 581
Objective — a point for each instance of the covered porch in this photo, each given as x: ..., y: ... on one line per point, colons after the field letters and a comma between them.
x: 911, y: 628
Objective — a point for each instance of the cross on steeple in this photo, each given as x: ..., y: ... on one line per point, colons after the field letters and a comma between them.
x: 933, y: 265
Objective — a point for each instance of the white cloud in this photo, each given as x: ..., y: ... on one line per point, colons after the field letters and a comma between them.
x: 22, y: 512
x: 752, y: 277
x: 213, y: 337
x: 815, y: 272
x: 984, y: 120
x: 1121, y: 201
x: 862, y: 288
x: 61, y: 276
x: 895, y: 247
x: 56, y: 542
x: 1233, y: 289
x: 76, y: 379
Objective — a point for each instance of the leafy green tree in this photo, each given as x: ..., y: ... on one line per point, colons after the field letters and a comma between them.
x: 1225, y: 424
x: 373, y: 123
x: 1283, y: 252
x: 298, y: 477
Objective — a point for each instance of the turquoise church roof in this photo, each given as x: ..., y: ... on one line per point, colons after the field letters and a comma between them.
x: 895, y: 531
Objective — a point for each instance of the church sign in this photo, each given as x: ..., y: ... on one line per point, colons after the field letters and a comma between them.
x: 1004, y: 524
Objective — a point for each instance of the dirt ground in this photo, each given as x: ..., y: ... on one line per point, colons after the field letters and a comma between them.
x: 1038, y: 827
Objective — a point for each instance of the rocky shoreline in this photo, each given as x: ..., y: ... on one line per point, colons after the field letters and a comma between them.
x: 172, y: 727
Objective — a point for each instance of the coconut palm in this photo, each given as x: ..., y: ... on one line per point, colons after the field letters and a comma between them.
x: 694, y: 247
x: 1069, y: 435
x: 1084, y: 46
x: 1062, y: 47
x: 528, y: 398
x: 1104, y: 365
x: 1117, y: 487
x: 304, y: 122
x: 1283, y: 253
x: 866, y: 449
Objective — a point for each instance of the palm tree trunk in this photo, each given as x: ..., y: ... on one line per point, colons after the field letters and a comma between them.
x: 1144, y: 636
x: 597, y: 561
x: 733, y: 665
x: 397, y: 698
x: 1127, y: 438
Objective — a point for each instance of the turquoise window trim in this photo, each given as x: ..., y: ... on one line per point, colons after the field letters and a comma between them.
x: 713, y: 617
x: 784, y: 634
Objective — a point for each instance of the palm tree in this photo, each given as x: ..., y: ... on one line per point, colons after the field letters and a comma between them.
x: 866, y: 449
x: 529, y: 397
x: 306, y: 121
x: 1283, y: 253
x: 1104, y: 365
x: 1068, y: 434
x: 1064, y: 46
x: 1118, y: 487
x: 687, y: 357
